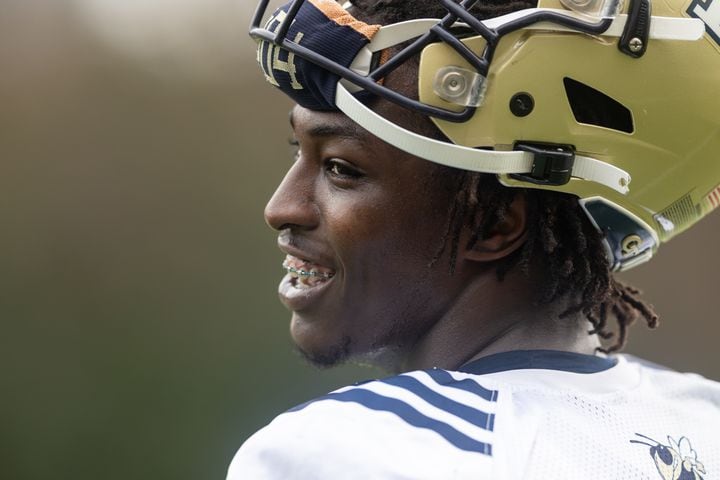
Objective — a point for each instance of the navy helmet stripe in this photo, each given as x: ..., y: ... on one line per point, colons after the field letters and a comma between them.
x: 444, y: 378
x: 306, y: 83
x: 476, y: 417
x: 407, y: 413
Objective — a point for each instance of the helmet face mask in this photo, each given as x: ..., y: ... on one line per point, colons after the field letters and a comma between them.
x: 527, y: 95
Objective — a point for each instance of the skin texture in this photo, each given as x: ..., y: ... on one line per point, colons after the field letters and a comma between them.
x: 377, y: 216
x: 355, y: 204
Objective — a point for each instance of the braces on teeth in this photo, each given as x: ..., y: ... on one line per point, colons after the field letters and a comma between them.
x: 305, y: 273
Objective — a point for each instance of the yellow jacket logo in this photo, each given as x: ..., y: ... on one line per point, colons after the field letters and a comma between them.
x: 675, y: 460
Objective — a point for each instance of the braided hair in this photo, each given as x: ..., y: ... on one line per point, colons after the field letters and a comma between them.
x: 561, y: 242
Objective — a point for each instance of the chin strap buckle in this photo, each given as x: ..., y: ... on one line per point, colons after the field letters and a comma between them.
x: 552, y: 164
x: 635, y: 36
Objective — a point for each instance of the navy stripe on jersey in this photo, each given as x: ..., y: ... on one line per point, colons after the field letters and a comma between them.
x: 472, y: 415
x: 444, y: 378
x: 407, y: 413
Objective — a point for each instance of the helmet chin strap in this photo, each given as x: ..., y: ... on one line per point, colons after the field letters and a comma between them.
x: 466, y: 158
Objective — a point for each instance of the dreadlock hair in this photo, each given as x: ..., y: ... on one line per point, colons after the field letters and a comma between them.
x: 561, y: 242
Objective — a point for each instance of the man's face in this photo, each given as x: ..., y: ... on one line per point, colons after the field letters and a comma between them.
x: 365, y: 220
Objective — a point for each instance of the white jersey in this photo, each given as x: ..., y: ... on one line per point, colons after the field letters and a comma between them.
x: 516, y: 415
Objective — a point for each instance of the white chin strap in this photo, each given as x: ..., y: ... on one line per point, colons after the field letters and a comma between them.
x: 466, y: 158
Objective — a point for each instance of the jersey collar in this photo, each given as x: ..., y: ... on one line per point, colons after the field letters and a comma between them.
x: 539, y: 359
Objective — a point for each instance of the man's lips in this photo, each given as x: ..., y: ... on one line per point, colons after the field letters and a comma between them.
x: 300, y: 289
x: 304, y: 249
x: 309, y: 273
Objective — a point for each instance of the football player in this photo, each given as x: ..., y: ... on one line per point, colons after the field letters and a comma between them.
x: 468, y: 177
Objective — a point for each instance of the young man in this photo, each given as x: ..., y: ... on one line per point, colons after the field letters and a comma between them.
x: 463, y: 190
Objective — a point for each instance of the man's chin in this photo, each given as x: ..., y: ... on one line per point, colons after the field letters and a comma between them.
x: 330, y: 356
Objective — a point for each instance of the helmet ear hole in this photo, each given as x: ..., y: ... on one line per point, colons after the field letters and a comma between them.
x: 593, y: 107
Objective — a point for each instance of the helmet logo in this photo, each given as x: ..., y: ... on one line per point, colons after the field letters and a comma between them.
x: 272, y: 61
x: 709, y: 12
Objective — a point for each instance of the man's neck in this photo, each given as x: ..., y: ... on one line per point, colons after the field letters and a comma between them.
x: 492, y: 316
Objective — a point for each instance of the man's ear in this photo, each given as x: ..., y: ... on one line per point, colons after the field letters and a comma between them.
x: 504, y: 237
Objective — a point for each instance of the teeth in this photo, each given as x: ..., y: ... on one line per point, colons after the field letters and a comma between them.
x: 300, y: 272
x: 303, y: 275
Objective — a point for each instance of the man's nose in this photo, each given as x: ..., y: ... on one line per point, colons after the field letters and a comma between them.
x: 292, y: 205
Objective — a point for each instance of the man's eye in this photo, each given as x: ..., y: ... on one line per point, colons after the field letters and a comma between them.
x: 340, y: 169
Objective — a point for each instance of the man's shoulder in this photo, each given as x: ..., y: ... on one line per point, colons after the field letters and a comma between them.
x: 673, y: 383
x: 413, y: 391
x: 436, y: 423
x: 416, y: 423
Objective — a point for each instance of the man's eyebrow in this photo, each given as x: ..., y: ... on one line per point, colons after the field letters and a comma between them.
x: 343, y: 131
x: 349, y: 131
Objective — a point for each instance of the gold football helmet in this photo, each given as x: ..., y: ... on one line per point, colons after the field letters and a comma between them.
x: 615, y: 102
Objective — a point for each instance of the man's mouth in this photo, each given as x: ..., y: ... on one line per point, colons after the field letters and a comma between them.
x: 304, y: 274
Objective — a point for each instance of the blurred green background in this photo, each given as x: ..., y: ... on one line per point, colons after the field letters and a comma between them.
x: 141, y: 336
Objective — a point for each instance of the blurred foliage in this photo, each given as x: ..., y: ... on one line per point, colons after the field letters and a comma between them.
x: 141, y: 333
